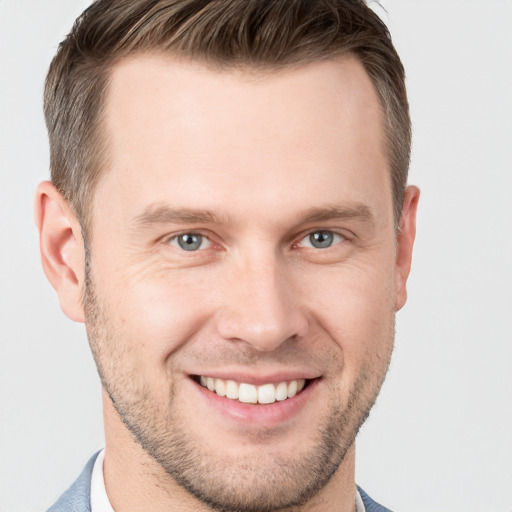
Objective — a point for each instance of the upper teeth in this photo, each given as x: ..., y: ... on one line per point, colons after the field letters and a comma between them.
x: 248, y: 393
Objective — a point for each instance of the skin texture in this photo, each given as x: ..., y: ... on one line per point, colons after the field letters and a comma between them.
x: 254, y: 164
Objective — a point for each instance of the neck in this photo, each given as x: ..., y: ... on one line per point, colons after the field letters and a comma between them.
x: 135, y: 482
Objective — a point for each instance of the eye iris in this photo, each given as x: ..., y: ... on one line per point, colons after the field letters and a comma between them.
x: 321, y: 239
x: 190, y: 242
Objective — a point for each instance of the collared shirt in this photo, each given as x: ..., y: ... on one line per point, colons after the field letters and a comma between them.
x: 99, y: 498
x: 101, y: 503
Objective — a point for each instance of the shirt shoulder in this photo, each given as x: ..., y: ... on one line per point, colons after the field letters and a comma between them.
x: 369, y: 504
x: 78, y: 497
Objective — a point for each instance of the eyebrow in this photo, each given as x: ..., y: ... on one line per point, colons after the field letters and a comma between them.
x: 155, y: 214
x: 357, y: 211
x: 165, y: 214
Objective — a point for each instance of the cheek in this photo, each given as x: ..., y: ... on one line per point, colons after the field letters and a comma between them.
x: 355, y: 307
x: 160, y: 314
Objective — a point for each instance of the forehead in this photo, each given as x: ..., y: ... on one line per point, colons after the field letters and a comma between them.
x: 181, y: 129
x: 191, y: 98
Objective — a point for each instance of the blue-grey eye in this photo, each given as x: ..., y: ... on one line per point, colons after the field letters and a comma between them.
x: 321, y: 239
x: 190, y: 242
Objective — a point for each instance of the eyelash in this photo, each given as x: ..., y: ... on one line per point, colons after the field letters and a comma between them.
x: 337, y: 238
x: 175, y: 241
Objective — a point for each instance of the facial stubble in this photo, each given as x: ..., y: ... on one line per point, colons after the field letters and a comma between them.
x: 226, y: 484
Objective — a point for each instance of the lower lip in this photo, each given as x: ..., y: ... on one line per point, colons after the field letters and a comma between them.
x: 257, y: 414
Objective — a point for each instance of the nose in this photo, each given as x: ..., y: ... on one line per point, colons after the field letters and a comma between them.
x: 260, y: 306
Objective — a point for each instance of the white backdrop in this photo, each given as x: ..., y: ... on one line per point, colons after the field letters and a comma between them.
x: 440, y: 436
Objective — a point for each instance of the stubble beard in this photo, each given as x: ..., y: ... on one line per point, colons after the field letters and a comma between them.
x: 227, y: 484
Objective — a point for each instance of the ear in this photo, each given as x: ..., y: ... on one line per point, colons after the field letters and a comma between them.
x: 62, y: 248
x: 405, y: 242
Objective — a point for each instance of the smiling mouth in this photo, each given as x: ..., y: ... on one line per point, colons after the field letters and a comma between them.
x: 251, y: 394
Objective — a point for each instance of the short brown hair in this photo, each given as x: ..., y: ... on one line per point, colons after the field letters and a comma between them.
x: 268, y: 34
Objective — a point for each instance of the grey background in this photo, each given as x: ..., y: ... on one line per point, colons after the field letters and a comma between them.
x: 440, y: 436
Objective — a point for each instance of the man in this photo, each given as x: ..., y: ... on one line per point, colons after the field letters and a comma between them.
x: 228, y: 215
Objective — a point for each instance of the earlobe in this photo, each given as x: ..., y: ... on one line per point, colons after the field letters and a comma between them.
x: 62, y: 248
x: 405, y: 243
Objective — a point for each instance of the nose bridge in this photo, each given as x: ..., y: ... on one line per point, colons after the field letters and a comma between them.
x: 259, y: 303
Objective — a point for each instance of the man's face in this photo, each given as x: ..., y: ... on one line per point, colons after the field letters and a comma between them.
x: 243, y: 240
